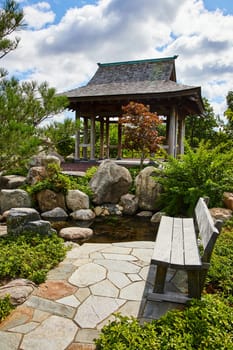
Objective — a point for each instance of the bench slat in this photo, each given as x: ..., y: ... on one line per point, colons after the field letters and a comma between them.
x: 177, y: 249
x: 207, y: 231
x: 191, y: 251
x: 162, y: 249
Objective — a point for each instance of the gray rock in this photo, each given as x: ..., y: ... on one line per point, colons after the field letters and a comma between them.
x: 11, y: 181
x: 129, y: 202
x: 147, y: 189
x: 157, y: 217
x: 50, y: 159
x: 14, y: 199
x: 40, y: 226
x: 19, y: 290
x: 17, y: 218
x: 76, y: 200
x: 75, y: 233
x: 110, y: 182
x: 221, y: 214
x: 56, y: 214
x: 145, y: 213
x: 83, y: 215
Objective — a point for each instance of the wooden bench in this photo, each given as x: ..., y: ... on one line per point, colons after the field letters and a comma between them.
x: 177, y: 247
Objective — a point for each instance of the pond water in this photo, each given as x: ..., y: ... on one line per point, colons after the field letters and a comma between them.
x: 119, y: 229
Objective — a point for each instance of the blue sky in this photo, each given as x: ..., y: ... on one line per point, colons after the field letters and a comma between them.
x: 64, y: 40
x: 225, y: 5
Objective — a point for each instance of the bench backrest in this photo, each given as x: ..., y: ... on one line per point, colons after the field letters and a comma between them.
x: 207, y: 230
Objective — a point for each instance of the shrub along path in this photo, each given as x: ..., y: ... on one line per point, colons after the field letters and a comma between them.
x: 80, y: 296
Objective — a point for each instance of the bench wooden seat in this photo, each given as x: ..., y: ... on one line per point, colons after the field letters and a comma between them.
x: 177, y: 247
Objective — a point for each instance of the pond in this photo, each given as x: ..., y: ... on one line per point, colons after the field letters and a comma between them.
x: 114, y: 229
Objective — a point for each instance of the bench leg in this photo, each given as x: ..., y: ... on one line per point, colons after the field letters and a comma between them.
x: 160, y: 279
x: 194, y: 290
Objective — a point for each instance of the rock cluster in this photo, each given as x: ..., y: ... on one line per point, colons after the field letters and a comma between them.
x: 110, y: 186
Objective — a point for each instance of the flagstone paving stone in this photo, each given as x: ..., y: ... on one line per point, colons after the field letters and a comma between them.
x: 87, y: 275
x: 95, y: 309
x: 119, y: 279
x: 50, y: 306
x: 82, y: 294
x: 55, y: 333
x: 9, y: 341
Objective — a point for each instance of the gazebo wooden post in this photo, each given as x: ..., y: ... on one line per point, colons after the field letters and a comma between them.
x: 85, y: 138
x: 92, y: 154
x: 101, y: 138
x: 172, y: 138
x: 181, y: 135
x: 107, y: 138
x: 119, y: 145
x: 77, y: 139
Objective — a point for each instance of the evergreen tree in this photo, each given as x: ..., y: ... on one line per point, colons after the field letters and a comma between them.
x: 23, y: 105
x: 202, y: 127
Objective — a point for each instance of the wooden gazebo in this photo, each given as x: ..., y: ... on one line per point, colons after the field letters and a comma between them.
x: 151, y: 82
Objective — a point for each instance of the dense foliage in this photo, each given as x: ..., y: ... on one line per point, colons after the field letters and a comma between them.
x: 201, y: 172
x: 221, y: 268
x: 11, y: 19
x: 5, y: 307
x: 58, y: 182
x: 229, y: 114
x: 29, y: 256
x: 202, y: 127
x: 205, y: 324
x: 61, y: 135
x: 23, y: 105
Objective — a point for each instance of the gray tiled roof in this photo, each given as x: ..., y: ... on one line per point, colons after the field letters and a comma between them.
x: 127, y: 88
x: 135, y: 79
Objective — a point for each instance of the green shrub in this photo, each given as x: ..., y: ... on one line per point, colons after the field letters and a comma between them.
x: 58, y: 182
x: 221, y: 269
x: 200, y: 172
x: 5, y: 307
x: 30, y: 256
x: 204, y: 324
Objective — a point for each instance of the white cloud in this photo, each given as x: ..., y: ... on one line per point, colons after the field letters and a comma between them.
x: 38, y: 15
x: 65, y: 54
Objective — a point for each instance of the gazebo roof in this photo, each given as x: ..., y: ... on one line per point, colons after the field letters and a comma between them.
x: 151, y: 81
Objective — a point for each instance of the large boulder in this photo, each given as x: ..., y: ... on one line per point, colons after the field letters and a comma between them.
x: 14, y: 199
x: 48, y: 200
x: 110, y: 182
x: 17, y: 218
x: 76, y: 200
x: 27, y: 220
x: 147, y: 189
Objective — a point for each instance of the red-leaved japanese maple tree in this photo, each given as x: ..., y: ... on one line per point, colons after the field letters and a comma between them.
x: 140, y: 129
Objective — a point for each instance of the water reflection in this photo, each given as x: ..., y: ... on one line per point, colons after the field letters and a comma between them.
x: 117, y: 229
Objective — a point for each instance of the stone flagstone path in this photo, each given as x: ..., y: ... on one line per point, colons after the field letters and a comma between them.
x: 81, y: 295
